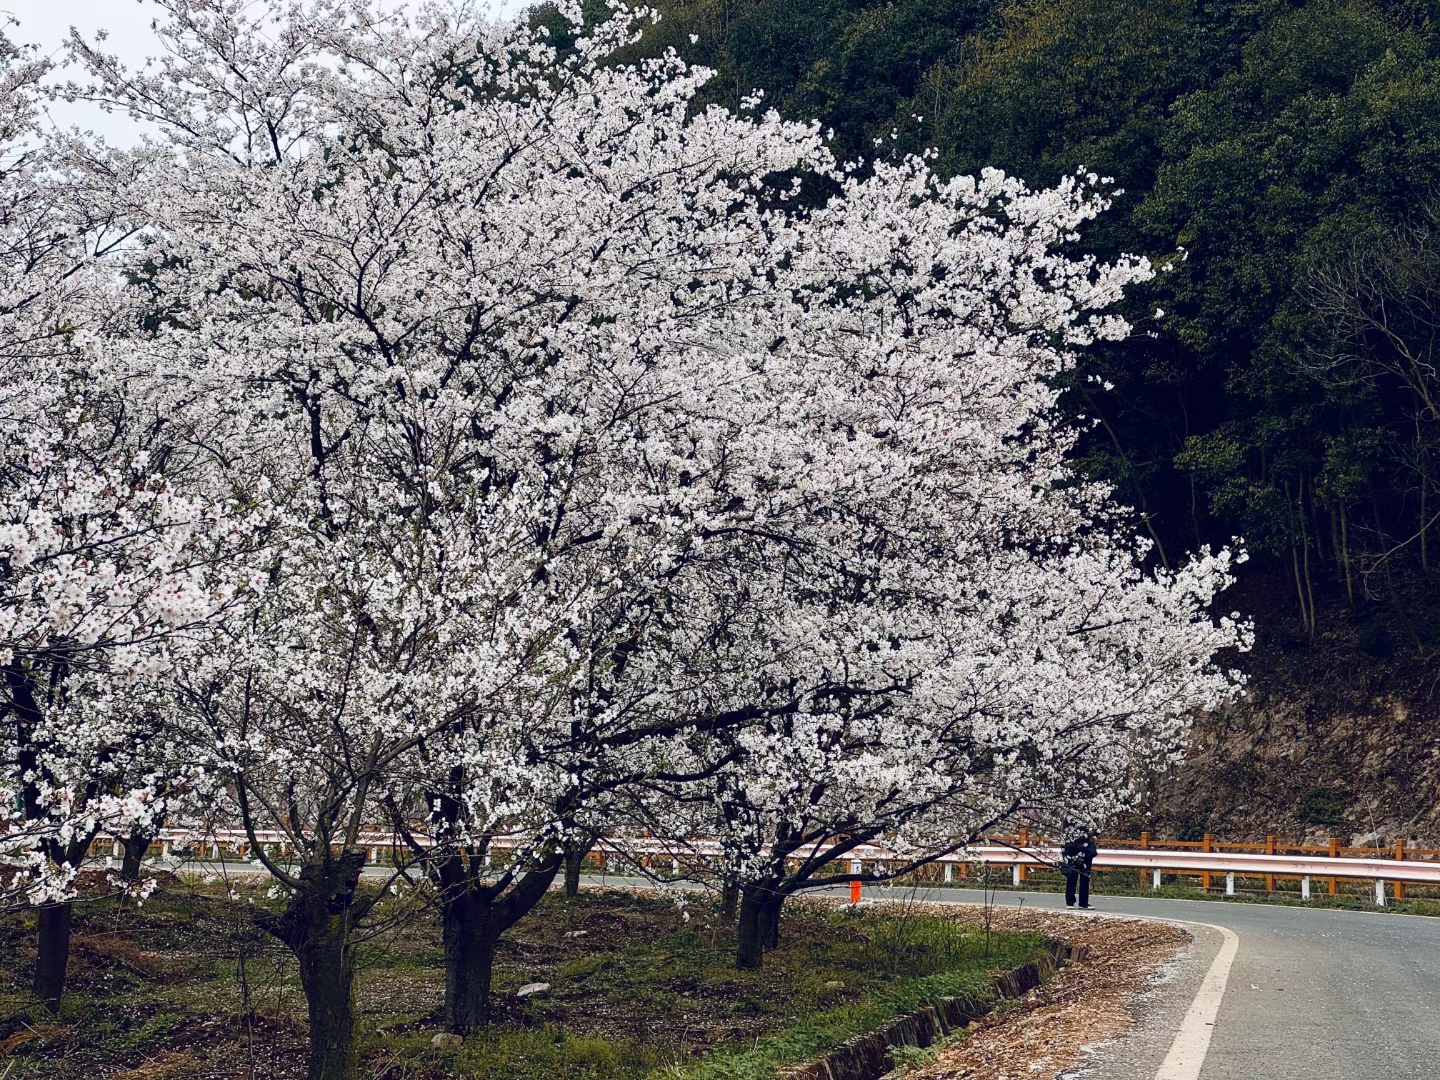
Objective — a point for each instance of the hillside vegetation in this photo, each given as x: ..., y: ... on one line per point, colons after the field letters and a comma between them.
x: 1279, y: 161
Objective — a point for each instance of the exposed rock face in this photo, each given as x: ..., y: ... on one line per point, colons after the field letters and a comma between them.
x: 1306, y: 762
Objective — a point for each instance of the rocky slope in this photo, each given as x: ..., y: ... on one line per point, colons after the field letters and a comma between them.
x: 1339, y: 736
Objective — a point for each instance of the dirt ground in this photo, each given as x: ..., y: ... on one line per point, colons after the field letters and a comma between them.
x: 187, y: 987
x: 1086, y: 1004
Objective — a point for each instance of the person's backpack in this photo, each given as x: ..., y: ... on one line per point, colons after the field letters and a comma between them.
x: 1072, y: 856
x: 1077, y: 854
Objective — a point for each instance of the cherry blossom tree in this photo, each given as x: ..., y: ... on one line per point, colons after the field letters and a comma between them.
x: 456, y: 309
x: 604, y: 471
x: 109, y: 552
x: 1051, y: 714
x: 111, y: 569
x: 970, y: 629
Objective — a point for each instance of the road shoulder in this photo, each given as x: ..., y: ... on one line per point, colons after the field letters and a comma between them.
x: 1111, y: 1017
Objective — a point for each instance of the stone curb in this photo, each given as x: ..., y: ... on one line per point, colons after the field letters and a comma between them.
x: 867, y: 1056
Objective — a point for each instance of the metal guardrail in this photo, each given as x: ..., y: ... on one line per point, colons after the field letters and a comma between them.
x: 1020, y: 856
x: 1231, y: 864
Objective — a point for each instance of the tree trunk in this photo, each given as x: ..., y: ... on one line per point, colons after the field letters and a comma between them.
x: 729, y: 901
x: 1345, y: 553
x: 470, y: 936
x: 749, y: 930
x: 318, y: 927
x: 53, y: 953
x: 1309, y: 590
x: 770, y: 924
x: 327, y: 974
x: 758, y: 927
x: 575, y: 854
x: 1424, y: 519
x: 1305, y: 539
x: 136, y: 845
x: 1420, y: 460
x: 1299, y: 589
x: 473, y: 916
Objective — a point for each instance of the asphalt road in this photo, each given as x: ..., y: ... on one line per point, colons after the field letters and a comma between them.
x: 1312, y: 994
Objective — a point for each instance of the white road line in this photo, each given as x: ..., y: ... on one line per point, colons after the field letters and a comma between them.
x: 1192, y: 1041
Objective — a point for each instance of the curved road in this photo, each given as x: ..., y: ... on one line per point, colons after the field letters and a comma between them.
x: 1313, y: 994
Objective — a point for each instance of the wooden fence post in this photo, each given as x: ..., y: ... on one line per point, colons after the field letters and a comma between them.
x: 1400, y: 857
x: 1022, y: 872
x: 1144, y: 843
x: 1209, y: 845
x: 1334, y: 854
x: 1269, y: 850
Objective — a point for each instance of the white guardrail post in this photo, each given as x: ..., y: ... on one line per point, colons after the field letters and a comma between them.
x: 1379, y: 892
x: 1305, y: 888
x: 1155, y: 880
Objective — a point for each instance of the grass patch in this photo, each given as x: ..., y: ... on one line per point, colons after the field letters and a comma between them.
x: 642, y: 988
x: 827, y: 1029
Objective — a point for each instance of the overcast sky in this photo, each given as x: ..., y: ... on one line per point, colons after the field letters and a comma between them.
x: 47, y: 23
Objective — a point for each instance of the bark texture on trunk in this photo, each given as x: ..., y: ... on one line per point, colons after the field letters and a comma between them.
x: 318, y: 927
x: 327, y: 974
x: 52, y: 956
x: 470, y: 937
x: 136, y: 845
x: 575, y: 854
x: 757, y: 930
x: 729, y: 901
x: 474, y: 913
x: 750, y: 929
x: 770, y: 925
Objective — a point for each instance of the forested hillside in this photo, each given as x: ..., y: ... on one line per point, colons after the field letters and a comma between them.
x: 1280, y: 162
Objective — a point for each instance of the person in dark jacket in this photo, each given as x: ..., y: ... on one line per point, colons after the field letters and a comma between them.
x: 1076, y: 858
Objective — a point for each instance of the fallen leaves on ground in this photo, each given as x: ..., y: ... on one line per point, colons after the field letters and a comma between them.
x: 1058, y: 1025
